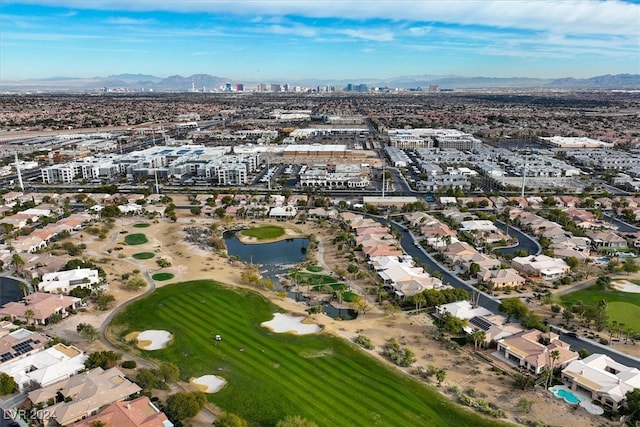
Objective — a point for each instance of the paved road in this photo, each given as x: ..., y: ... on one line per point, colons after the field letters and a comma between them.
x: 408, y: 243
x: 622, y: 226
x: 525, y: 241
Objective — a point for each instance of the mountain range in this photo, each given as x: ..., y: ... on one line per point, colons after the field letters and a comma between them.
x: 206, y: 82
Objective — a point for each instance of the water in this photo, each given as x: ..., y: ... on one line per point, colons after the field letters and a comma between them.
x: 327, y: 308
x: 276, y: 260
x: 568, y: 396
x: 285, y: 252
x: 9, y: 290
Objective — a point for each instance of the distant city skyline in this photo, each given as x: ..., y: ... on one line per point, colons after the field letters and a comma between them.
x: 294, y: 40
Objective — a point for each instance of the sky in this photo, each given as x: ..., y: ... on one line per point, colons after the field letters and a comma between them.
x: 281, y: 41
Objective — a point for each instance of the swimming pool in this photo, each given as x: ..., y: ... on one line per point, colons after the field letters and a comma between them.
x: 567, y: 395
x: 604, y: 259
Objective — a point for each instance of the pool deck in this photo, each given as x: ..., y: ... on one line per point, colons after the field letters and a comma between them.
x: 585, y: 399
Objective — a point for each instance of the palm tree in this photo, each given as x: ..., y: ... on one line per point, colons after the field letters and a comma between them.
x: 17, y: 262
x: 478, y: 336
x: 555, y: 355
x: 419, y: 299
x: 29, y: 314
x: 24, y: 288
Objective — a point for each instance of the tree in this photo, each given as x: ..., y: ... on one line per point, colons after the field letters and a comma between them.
x: 135, y: 284
x: 227, y: 419
x: 361, y: 304
x: 555, y: 356
x: 184, y: 405
x: 572, y: 262
x: 295, y: 421
x: 452, y: 324
x: 104, y: 301
x: 103, y: 359
x: 29, y: 314
x: 7, y: 384
x: 524, y: 405
x: 630, y: 266
x: 474, y: 269
x: 168, y: 372
x: 567, y: 315
x: 633, y: 403
x: 23, y: 287
x: 441, y: 375
x: 87, y: 331
x: 478, y: 336
x: 513, y: 307
x: 148, y: 379
x: 419, y: 299
x: 17, y: 262
x: 523, y: 381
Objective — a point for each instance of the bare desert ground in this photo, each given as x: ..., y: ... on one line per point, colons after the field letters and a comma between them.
x: 463, y: 370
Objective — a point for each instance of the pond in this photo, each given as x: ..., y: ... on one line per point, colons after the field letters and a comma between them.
x: 9, y: 290
x: 276, y: 260
x: 284, y: 252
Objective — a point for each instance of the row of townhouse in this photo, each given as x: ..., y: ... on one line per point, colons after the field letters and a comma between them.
x: 385, y: 256
x: 216, y: 164
x: 563, y: 242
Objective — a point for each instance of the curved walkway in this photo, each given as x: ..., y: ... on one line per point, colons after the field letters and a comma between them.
x: 116, y: 310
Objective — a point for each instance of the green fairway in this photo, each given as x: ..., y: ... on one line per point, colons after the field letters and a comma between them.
x: 143, y: 255
x: 314, y: 268
x: 305, y: 278
x: 161, y: 277
x: 319, y: 377
x: 141, y: 225
x: 621, y: 306
x: 333, y: 286
x: 135, y: 239
x: 264, y: 233
x: 349, y: 296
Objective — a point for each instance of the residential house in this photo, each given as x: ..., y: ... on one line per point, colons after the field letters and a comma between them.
x: 532, y: 350
x: 401, y: 274
x: 283, y: 212
x: 495, y: 327
x: 41, y: 307
x: 381, y: 250
x: 543, y: 266
x: 500, y: 278
x: 604, y: 379
x: 81, y: 395
x: 20, y: 344
x: 28, y: 244
x: 65, y: 281
x: 45, y: 367
x: 140, y: 412
x: 461, y: 309
x: 606, y: 240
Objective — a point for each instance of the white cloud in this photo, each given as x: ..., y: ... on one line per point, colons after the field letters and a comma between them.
x: 296, y: 30
x: 571, y: 17
x: 419, y: 31
x: 123, y: 20
x: 367, y: 34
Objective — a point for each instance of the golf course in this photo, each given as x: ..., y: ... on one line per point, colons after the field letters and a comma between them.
x: 273, y: 375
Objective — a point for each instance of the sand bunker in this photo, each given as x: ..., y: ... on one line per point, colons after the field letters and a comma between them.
x: 626, y: 286
x: 208, y: 383
x: 152, y: 339
x: 287, y: 323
